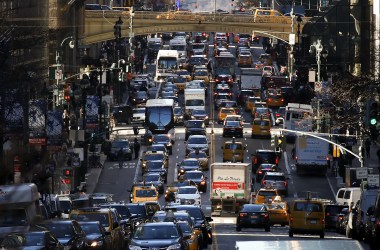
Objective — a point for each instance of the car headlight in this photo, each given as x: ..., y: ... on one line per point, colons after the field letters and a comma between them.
x: 96, y: 243
x: 175, y: 246
x: 131, y: 247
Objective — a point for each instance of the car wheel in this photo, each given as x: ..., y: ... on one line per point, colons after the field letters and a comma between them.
x: 290, y: 233
x: 322, y: 235
x: 238, y: 229
x: 267, y: 229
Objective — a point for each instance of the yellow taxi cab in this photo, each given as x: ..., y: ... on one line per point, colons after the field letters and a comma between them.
x: 233, y: 151
x: 144, y: 193
x: 202, y: 75
x: 275, y: 101
x: 250, y: 102
x: 278, y: 213
x: 223, y: 112
x: 245, y: 60
x: 267, y: 195
x: 307, y: 216
x: 261, y: 127
x: 191, y: 234
x: 108, y: 217
x: 256, y: 105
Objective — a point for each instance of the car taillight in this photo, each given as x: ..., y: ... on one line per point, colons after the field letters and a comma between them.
x: 296, y: 157
x: 285, y: 183
x: 277, y: 160
x: 323, y: 221
x: 378, y: 223
x: 327, y: 158
x: 264, y: 182
x: 278, y: 115
x: 270, y: 99
x: 260, y: 172
x: 327, y: 214
x: 282, y: 99
x: 229, y: 80
x: 266, y: 215
x: 217, y: 80
x: 242, y: 214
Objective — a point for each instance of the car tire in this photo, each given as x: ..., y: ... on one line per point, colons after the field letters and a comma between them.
x: 238, y: 229
x: 267, y: 229
x: 291, y: 233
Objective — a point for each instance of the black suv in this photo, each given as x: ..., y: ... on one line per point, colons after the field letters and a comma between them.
x: 264, y: 156
x: 195, y: 127
x: 122, y: 114
x: 201, y: 222
x: 332, y: 212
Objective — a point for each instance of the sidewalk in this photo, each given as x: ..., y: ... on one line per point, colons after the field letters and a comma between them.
x: 93, y: 175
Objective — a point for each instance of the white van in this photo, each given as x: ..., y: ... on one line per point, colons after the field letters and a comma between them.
x: 348, y: 196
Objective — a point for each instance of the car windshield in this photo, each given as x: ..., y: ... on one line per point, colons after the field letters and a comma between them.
x: 274, y: 177
x: 137, y: 209
x: 277, y: 206
x: 149, y: 178
x: 201, y: 73
x: 198, y: 112
x: 308, y: 207
x: 150, y: 157
x: 61, y: 230
x: 141, y: 94
x: 197, y: 140
x: 10, y: 218
x: 253, y: 208
x: 261, y: 122
x: 154, y: 164
x: 101, y: 217
x: 145, y: 193
x: 138, y: 111
x: 191, y: 176
x: 155, y: 232
x: 233, y: 146
x: 185, y: 228
x: 157, y: 147
x: 90, y: 228
x: 120, y: 144
x: 189, y: 163
x: 181, y: 184
x: 187, y: 190
x: 194, y: 124
x: 122, y: 211
x: 232, y: 124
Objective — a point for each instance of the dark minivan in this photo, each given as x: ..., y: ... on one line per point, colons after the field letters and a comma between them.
x: 264, y: 156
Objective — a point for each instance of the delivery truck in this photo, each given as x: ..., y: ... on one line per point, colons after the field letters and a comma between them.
x: 194, y: 99
x: 231, y: 187
x: 311, y: 155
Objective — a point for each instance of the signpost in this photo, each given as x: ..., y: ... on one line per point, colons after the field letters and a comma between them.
x: 361, y: 173
x: 373, y: 180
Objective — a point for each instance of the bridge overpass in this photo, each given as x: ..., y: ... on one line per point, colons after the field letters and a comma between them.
x: 98, y: 25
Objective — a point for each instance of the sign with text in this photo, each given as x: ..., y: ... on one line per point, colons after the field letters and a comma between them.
x: 361, y: 173
x: 373, y: 179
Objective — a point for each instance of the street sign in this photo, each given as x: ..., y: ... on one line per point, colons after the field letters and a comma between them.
x: 373, y: 180
x: 361, y: 173
x: 292, y: 39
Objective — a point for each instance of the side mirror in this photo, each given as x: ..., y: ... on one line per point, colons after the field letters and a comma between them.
x: 187, y: 236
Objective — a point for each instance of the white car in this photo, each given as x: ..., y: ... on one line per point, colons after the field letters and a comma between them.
x: 219, y: 36
x: 188, y: 195
x: 138, y: 115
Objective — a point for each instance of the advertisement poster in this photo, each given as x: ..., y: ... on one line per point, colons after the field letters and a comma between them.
x: 13, y: 112
x: 92, y: 113
x: 37, y: 121
x: 54, y: 129
x: 228, y: 182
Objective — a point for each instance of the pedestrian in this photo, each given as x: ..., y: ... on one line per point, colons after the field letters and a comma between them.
x: 368, y: 147
x: 136, y: 147
x: 120, y: 157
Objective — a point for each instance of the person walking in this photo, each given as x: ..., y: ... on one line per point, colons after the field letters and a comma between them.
x: 368, y: 147
x: 120, y: 157
x: 136, y: 147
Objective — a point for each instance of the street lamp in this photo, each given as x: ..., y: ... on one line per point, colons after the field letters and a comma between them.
x: 59, y: 70
x: 318, y: 49
x: 100, y: 93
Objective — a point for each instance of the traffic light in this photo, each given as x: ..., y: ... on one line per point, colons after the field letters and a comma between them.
x: 373, y: 114
x: 274, y: 140
x: 67, y: 172
x: 281, y: 142
x: 67, y: 92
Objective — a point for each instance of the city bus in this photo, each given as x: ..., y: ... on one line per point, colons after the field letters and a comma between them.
x: 224, y: 64
x: 298, y: 117
x: 159, y: 116
x: 166, y: 63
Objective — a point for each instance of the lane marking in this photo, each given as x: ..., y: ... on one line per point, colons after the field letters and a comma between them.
x: 291, y: 183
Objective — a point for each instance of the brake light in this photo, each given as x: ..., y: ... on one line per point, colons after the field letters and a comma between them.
x: 264, y: 182
x: 270, y: 99
x: 285, y: 183
x: 323, y: 221
x: 282, y: 99
x: 229, y: 80
x: 327, y: 158
x: 296, y: 157
x: 327, y: 214
x: 260, y: 172
x: 242, y: 214
x: 278, y: 115
x: 266, y: 215
x: 203, y: 34
x: 217, y: 80
x: 277, y: 160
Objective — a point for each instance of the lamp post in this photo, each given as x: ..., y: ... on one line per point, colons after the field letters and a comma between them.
x: 318, y: 49
x: 325, y: 54
x: 59, y: 70
x: 100, y: 93
x: 131, y: 35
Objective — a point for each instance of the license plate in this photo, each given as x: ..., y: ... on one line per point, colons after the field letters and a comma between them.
x: 254, y: 216
x: 313, y: 222
x: 264, y: 130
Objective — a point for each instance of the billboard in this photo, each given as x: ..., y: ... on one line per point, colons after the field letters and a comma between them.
x: 54, y: 129
x: 92, y: 113
x: 37, y: 121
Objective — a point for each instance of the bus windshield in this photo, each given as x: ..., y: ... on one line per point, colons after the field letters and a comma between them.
x: 168, y: 63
